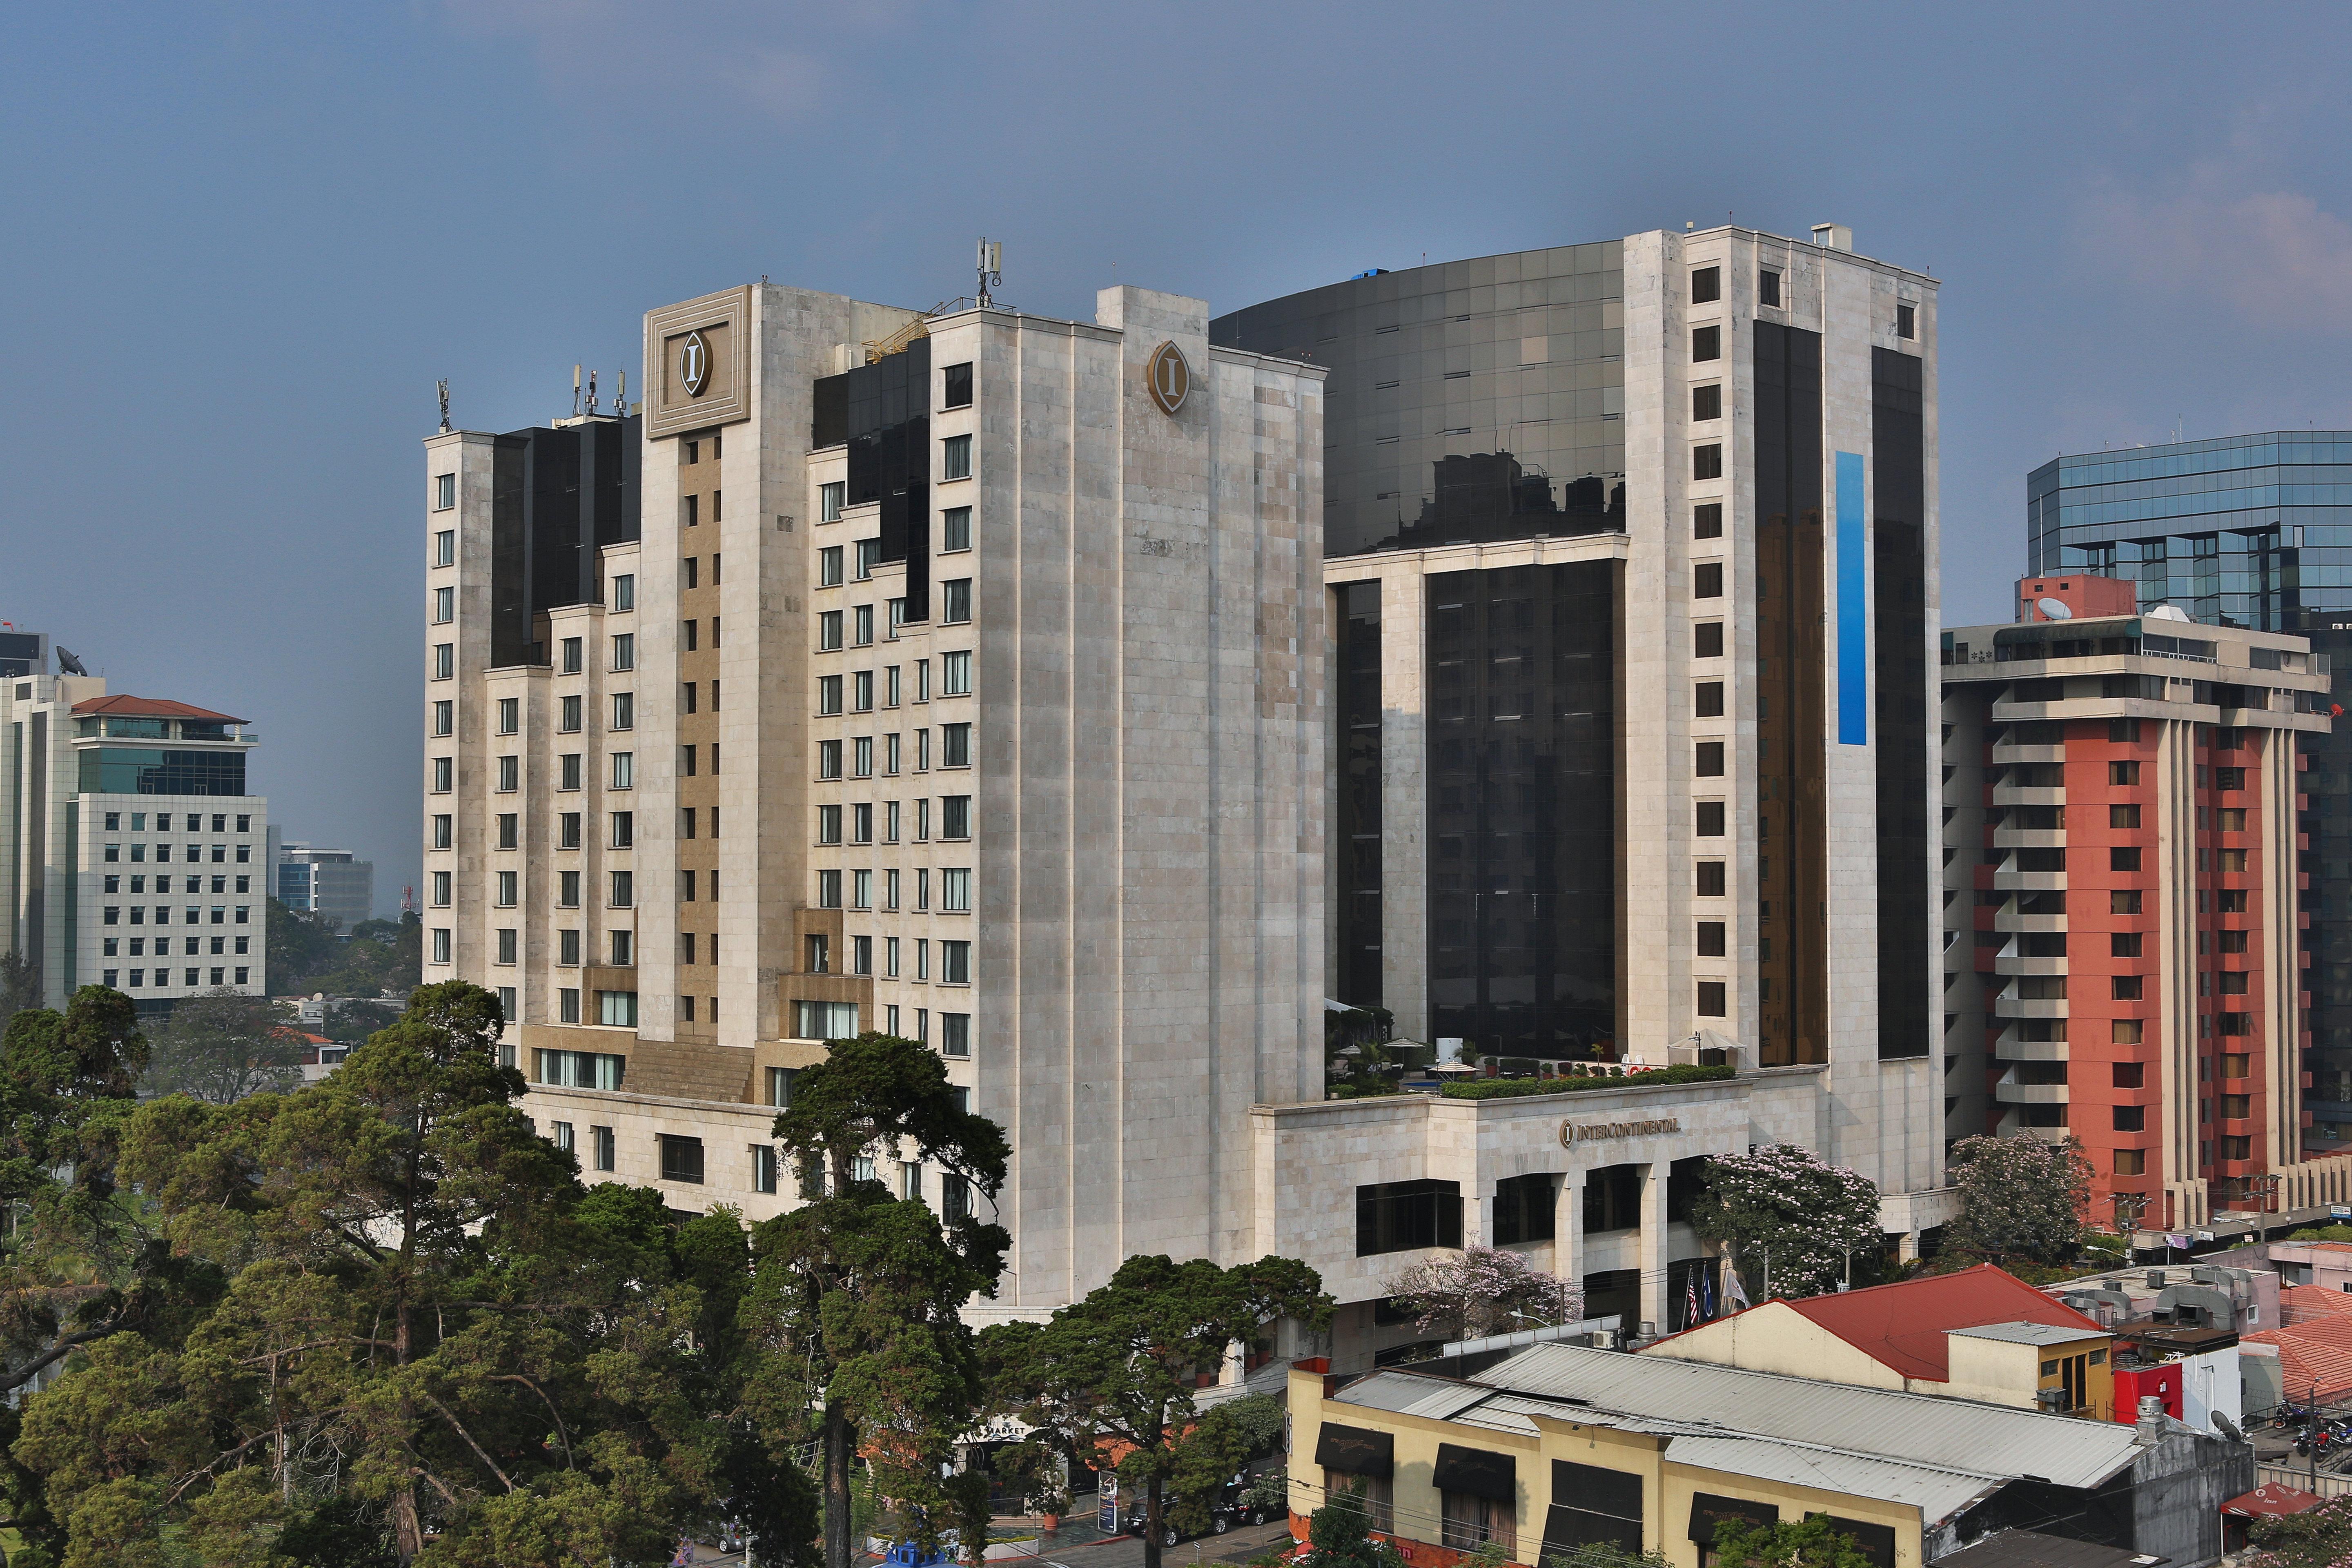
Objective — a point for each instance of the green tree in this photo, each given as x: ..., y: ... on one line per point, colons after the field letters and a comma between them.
x: 20, y: 986
x: 2317, y: 1538
x: 431, y: 1346
x: 1812, y: 1541
x: 223, y: 1045
x: 2019, y: 1198
x: 855, y: 1312
x: 1786, y: 1210
x: 300, y: 945
x: 1339, y: 1535
x: 1118, y: 1369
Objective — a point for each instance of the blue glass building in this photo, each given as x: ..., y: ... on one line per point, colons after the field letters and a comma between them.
x: 2241, y: 530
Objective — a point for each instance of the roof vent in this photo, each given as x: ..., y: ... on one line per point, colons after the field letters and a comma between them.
x: 1832, y: 237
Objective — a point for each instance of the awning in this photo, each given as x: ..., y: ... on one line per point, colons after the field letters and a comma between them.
x: 1595, y: 1489
x: 1706, y: 1509
x: 1569, y: 1529
x: 1358, y: 1450
x: 1480, y: 1472
x: 2270, y: 1500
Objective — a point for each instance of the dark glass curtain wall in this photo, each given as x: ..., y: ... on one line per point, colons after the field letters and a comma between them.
x: 1899, y: 504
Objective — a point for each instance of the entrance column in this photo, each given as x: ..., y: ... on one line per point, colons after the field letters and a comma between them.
x: 1654, y: 1295
x: 1567, y: 1233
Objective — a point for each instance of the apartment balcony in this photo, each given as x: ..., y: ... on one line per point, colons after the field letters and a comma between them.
x: 2004, y: 753
x: 2003, y: 920
x: 2024, y: 1007
x: 2010, y: 963
x: 2020, y: 794
x: 2007, y: 1047
x: 2009, y: 1093
x: 2029, y: 839
x: 2029, y: 881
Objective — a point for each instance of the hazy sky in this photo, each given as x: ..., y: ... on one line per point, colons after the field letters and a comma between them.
x: 240, y: 242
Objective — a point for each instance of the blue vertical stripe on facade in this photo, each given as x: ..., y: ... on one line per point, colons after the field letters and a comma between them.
x: 1853, y: 606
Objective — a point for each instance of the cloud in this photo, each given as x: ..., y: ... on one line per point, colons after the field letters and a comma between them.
x: 2276, y: 257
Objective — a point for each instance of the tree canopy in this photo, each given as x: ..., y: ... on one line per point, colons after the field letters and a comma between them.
x: 1812, y: 1541
x: 1113, y: 1375
x: 1785, y: 1209
x: 1483, y: 1290
x: 2020, y: 1198
x: 223, y: 1045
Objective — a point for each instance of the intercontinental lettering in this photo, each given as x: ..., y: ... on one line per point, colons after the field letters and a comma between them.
x: 1571, y: 1133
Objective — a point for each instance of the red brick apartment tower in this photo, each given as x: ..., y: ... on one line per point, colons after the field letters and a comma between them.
x: 2120, y: 808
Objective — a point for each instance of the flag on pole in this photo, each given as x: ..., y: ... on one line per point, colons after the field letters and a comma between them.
x: 1706, y: 1295
x: 1735, y: 1294
x: 1690, y: 1297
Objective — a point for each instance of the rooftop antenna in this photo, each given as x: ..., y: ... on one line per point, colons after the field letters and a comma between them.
x: 991, y: 259
x: 592, y: 394
x: 575, y: 392
x: 620, y: 398
x: 444, y: 407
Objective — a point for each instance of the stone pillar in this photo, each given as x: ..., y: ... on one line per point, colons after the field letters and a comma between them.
x: 1653, y: 1244
x: 1568, y: 1230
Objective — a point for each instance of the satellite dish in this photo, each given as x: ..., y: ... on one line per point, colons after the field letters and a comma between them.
x: 2054, y: 609
x: 2168, y: 613
x: 67, y: 664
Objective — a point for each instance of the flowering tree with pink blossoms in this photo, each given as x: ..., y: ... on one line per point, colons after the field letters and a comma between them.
x: 1785, y: 1206
x: 1483, y: 1290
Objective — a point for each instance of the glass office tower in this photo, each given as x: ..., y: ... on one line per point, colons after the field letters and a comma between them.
x: 2253, y: 531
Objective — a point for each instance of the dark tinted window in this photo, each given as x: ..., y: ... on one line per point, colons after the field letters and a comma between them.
x: 1709, y: 823
x: 1707, y: 344
x: 1706, y: 521
x: 1710, y: 939
x: 1707, y: 462
x: 1706, y: 640
x: 1768, y: 287
x: 1706, y: 701
x: 955, y: 383
x: 1397, y: 1216
x: 1707, y: 285
x: 1706, y: 402
x: 1706, y: 580
x: 681, y: 1159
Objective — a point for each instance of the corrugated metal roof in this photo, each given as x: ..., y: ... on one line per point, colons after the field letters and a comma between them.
x: 1937, y: 1491
x: 2028, y: 1334
x: 1947, y: 1434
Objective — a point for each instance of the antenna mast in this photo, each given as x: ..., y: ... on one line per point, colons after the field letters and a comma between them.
x: 444, y: 407
x: 575, y: 392
x: 992, y: 257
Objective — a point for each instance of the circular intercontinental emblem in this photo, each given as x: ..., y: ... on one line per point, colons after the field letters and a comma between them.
x: 1170, y: 377
x: 694, y: 364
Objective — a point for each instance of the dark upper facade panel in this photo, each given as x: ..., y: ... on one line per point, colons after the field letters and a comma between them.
x: 1467, y: 401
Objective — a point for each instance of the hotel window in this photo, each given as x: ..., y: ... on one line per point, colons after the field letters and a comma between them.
x: 865, y: 615
x: 955, y: 963
x: 567, y: 715
x: 1706, y: 402
x: 861, y: 691
x: 1710, y: 878
x: 692, y: 567
x: 567, y: 771
x: 955, y: 816
x: 890, y: 685
x: 444, y: 496
x: 890, y: 767
x: 890, y: 961
x: 445, y: 660
x: 955, y: 606
x: 625, y: 592
x: 1708, y: 760
x: 568, y: 830
x: 685, y: 636
x: 509, y: 774
x: 681, y: 1159
x: 828, y: 759
x: 828, y: 566
x: 567, y: 948
x: 955, y: 529
x: 1706, y: 521
x: 2123, y: 860
x: 922, y: 755
x: 567, y: 1003
x: 509, y: 830
x: 1706, y: 580
x: 828, y: 695
x: 922, y: 832
x: 624, y: 829
x: 1707, y: 285
x: 828, y: 889
x: 1706, y: 639
x: 1707, y: 462
x: 864, y: 749
x: 829, y: 497
x: 1710, y: 998
x: 828, y: 825
x: 440, y: 886
x: 441, y: 944
x: 1906, y: 322
x: 861, y: 889
x: 955, y: 385
x: 869, y: 556
x: 955, y: 458
x: 445, y: 717
x: 505, y: 945
x: 625, y: 710
x: 571, y: 655
x: 861, y: 822
x: 599, y: 1139
x: 444, y: 606
x: 763, y: 1167
x: 955, y: 674
x: 442, y: 828
x: 622, y: 889
x: 1710, y: 939
x: 955, y: 889
x: 1768, y: 287
x: 827, y: 1020
x: 1707, y: 700
x: 625, y: 769
x: 624, y: 651
x: 861, y: 954
x: 1707, y: 344
x: 828, y: 631
x: 624, y: 945
x: 505, y: 889
x: 1709, y: 823
x: 923, y: 958
x: 955, y: 748
x: 955, y: 1028
x: 685, y: 760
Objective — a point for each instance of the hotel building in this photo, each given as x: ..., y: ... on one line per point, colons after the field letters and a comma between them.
x: 134, y: 856
x: 2123, y: 869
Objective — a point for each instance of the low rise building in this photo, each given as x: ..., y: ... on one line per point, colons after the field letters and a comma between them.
x: 335, y: 883
x: 1560, y: 1446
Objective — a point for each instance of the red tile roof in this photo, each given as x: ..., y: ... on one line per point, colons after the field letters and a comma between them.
x: 1904, y: 1324
x: 2312, y: 1303
x: 2270, y: 1500
x: 129, y: 707
x: 2314, y: 1356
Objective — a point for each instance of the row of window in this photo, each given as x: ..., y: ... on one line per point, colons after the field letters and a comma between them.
x: 955, y: 751
x: 190, y: 822
x: 113, y: 979
x: 955, y: 821
x: 862, y: 687
x: 111, y: 855
x: 163, y: 884
x: 191, y: 947
x: 955, y: 959
x: 112, y: 914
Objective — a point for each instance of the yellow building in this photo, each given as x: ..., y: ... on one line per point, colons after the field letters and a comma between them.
x: 1558, y: 1445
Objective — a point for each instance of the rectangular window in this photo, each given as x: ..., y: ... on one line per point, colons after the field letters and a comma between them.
x: 1710, y: 939
x: 828, y: 825
x: 923, y: 958
x: 568, y: 830
x: 955, y: 748
x: 1706, y: 402
x: 861, y: 889
x: 2230, y: 862
x: 625, y: 710
x: 1709, y: 823
x: 2123, y: 901
x: 685, y: 636
x: 1710, y: 998
x: 2123, y: 816
x: 567, y: 715
x: 955, y: 385
x: 828, y: 631
x: 681, y: 1159
x: 955, y: 458
x: 444, y: 606
x: 955, y: 529
x: 2130, y: 1119
x: 1706, y: 521
x: 1707, y: 700
x: 1906, y: 322
x: 825, y: 1020
x: 444, y: 496
x: 506, y: 947
x: 1707, y: 344
x: 828, y: 889
x: 622, y: 889
x: 1707, y: 285
x: 2124, y: 944
x: 955, y: 889
x: 624, y: 651
x: 861, y: 691
x: 444, y: 718
x: 1707, y: 462
x: 2125, y: 987
x: 955, y: 1031
x: 1768, y: 287
x: 828, y: 759
x: 509, y: 774
x: 692, y: 567
x: 861, y: 955
x: 863, y: 756
x: 955, y: 816
x: 1706, y: 580
x: 955, y: 674
x: 624, y: 829
x: 1402, y: 1217
x: 869, y: 556
x: 861, y: 822
x: 625, y: 769
x: 1710, y: 878
x: 509, y: 826
x: 828, y: 566
x: 1706, y: 639
x: 444, y: 828
x: 955, y: 963
x: 507, y: 883
x: 1708, y: 759
x: 572, y: 657
x: 955, y: 606
x: 865, y: 625
x: 600, y: 1139
x: 2123, y: 860
x: 445, y: 660
x: 2229, y: 778
x: 625, y: 592
x: 829, y: 499
x: 828, y: 694
x: 441, y: 944
x: 763, y: 1167
x: 567, y: 771
x: 686, y: 762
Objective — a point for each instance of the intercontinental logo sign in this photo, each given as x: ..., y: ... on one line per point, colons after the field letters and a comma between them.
x: 1571, y: 1133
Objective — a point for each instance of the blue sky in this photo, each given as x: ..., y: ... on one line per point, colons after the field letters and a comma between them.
x: 241, y: 242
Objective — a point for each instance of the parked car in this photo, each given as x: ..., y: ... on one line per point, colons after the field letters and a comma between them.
x: 1226, y: 1510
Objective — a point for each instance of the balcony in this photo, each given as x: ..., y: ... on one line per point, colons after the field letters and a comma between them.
x: 2029, y: 881
x: 2010, y: 963
x: 2007, y: 838
x: 2004, y: 753
x: 2023, y: 1007
x: 2003, y: 920
x: 2007, y: 1047
x: 2009, y: 1093
x: 2005, y: 795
